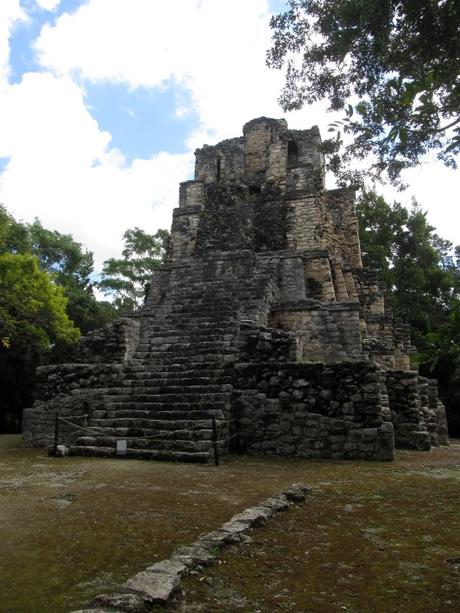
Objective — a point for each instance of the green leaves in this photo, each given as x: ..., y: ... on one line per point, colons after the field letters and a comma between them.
x: 46, y: 296
x: 422, y: 273
x: 30, y: 302
x: 126, y: 279
x: 401, y: 60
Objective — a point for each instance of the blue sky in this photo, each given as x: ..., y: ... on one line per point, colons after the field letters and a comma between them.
x: 104, y: 102
x: 141, y: 121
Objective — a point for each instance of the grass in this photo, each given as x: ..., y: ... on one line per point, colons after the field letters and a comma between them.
x: 373, y: 537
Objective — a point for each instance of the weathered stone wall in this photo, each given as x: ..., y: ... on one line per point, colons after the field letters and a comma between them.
x: 327, y: 332
x: 72, y: 391
x: 441, y: 435
x: 318, y: 276
x: 257, y: 140
x: 370, y: 289
x: 312, y: 411
x: 304, y: 151
x: 305, y: 223
x: 114, y: 343
x: 387, y: 341
x: 342, y: 227
x: 407, y: 411
x: 226, y: 221
x: 223, y: 162
x: 262, y: 344
x: 324, y: 220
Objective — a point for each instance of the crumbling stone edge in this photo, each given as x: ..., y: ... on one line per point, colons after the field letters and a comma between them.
x: 157, y: 584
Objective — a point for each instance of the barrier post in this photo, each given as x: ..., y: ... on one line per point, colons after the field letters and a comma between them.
x: 214, y: 442
x: 56, y: 434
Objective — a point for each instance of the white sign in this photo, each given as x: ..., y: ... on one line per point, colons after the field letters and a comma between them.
x: 122, y: 447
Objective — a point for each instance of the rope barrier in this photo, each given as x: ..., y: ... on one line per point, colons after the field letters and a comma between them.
x: 94, y: 430
x: 212, y: 423
x: 225, y: 440
x: 150, y: 437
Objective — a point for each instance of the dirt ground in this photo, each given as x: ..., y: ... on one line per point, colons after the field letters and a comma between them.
x: 374, y: 537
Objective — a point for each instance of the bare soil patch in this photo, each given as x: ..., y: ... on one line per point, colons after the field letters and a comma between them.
x: 373, y: 537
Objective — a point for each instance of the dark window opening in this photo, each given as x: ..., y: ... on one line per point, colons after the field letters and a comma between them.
x: 219, y: 169
x: 293, y: 153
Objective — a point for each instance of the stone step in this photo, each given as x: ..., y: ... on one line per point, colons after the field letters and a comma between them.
x: 184, y: 337
x: 193, y: 317
x: 156, y: 442
x: 140, y: 387
x: 174, y: 381
x: 165, y: 421
x: 223, y: 300
x: 174, y: 367
x: 127, y: 403
x: 185, y: 352
x: 172, y: 412
x: 142, y: 454
x: 176, y: 323
x: 141, y: 374
x: 221, y: 359
x: 192, y: 399
x: 178, y: 340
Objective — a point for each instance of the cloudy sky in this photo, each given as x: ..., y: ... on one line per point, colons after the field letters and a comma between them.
x: 102, y: 103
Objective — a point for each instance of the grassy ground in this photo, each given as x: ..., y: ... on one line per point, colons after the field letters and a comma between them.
x: 373, y: 537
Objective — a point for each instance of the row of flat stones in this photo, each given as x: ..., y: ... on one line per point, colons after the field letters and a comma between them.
x: 157, y: 584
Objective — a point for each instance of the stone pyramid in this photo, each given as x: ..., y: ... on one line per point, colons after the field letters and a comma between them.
x: 262, y: 321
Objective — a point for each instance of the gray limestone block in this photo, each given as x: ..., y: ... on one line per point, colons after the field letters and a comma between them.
x: 129, y: 603
x: 296, y: 492
x: 235, y: 527
x: 386, y: 429
x: 276, y: 503
x: 253, y: 516
x: 369, y: 434
x: 218, y: 539
x: 157, y: 583
x: 199, y: 553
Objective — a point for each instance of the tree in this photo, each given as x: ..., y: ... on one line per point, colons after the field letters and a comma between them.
x: 441, y: 359
x: 422, y: 273
x: 46, y: 298
x: 393, y: 66
x: 32, y: 318
x: 128, y: 278
x: 62, y: 257
x: 14, y: 236
x: 416, y: 264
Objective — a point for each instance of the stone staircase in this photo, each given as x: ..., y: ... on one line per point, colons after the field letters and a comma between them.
x: 178, y: 379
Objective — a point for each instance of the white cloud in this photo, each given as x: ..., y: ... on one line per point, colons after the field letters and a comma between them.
x: 63, y: 170
x: 436, y: 189
x: 215, y: 48
x: 62, y: 166
x: 10, y: 14
x: 48, y: 5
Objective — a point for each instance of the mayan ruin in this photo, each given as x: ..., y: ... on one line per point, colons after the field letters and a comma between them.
x: 262, y: 318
